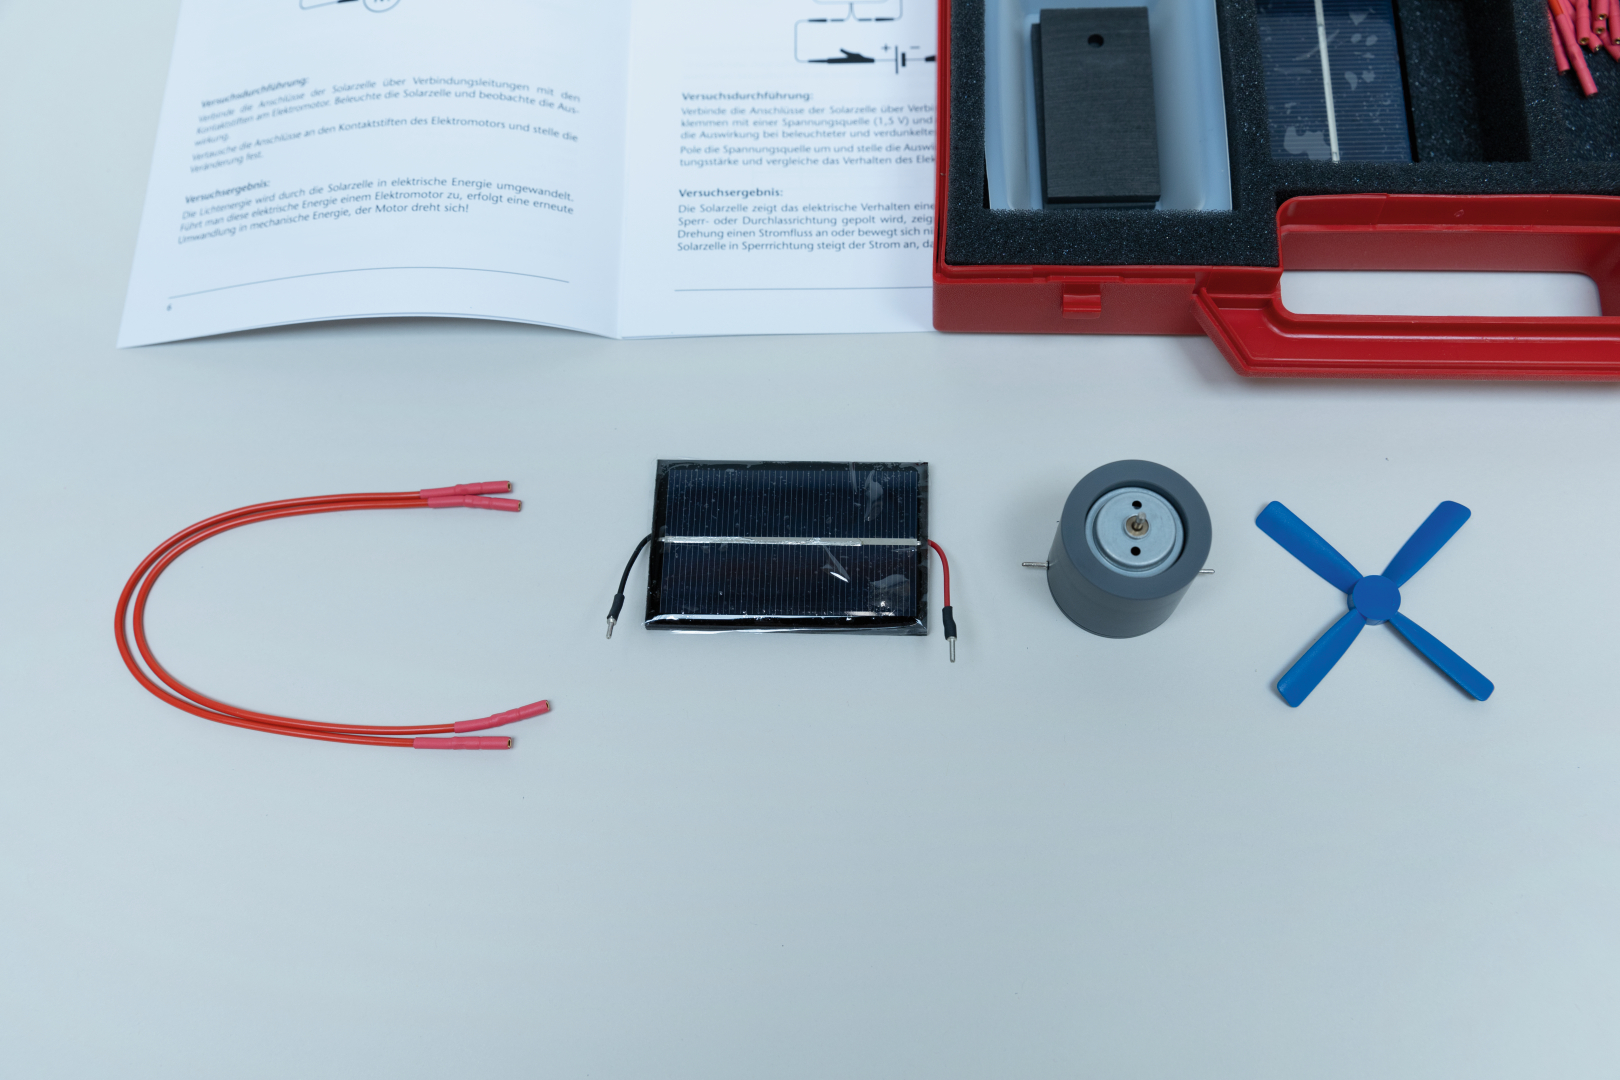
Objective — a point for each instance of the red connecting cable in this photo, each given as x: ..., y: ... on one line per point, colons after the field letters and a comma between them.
x: 176, y: 693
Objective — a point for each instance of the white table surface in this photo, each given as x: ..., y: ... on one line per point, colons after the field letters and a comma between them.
x: 748, y: 856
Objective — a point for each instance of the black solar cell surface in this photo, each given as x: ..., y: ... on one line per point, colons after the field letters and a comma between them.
x: 738, y: 545
x: 754, y: 580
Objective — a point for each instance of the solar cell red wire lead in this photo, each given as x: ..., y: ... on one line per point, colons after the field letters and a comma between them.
x: 946, y: 617
x: 131, y: 614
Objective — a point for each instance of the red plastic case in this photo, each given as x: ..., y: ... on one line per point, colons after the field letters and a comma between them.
x: 1241, y: 308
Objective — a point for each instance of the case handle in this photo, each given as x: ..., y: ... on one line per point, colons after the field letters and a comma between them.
x: 1241, y: 309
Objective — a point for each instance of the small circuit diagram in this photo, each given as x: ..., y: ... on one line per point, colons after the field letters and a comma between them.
x: 861, y: 33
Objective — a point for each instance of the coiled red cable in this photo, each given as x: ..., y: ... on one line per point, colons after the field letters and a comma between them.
x: 130, y: 620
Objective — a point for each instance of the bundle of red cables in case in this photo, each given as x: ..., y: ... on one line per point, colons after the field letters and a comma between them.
x: 132, y: 610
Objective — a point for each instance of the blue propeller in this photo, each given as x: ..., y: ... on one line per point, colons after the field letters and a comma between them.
x: 1374, y: 598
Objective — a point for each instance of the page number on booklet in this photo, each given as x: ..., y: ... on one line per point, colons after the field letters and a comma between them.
x: 371, y: 5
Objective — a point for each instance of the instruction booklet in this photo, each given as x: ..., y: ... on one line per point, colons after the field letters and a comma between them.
x: 628, y: 168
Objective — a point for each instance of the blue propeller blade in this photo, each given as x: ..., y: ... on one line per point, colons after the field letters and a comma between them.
x: 1301, y: 541
x: 1461, y: 671
x: 1430, y: 537
x: 1298, y: 681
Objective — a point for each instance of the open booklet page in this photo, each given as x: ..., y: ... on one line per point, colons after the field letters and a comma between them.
x: 323, y: 159
x: 780, y: 166
x: 753, y: 166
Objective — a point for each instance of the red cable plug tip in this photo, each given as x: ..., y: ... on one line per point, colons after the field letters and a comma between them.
x: 501, y: 719
x: 488, y: 487
x: 477, y: 502
x: 464, y: 742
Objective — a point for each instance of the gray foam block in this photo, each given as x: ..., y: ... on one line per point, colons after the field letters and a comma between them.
x: 1094, y: 105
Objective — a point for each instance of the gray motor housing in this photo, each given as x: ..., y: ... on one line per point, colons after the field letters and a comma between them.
x: 1096, y: 596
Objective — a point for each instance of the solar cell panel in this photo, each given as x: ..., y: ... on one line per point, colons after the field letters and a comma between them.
x: 808, y: 546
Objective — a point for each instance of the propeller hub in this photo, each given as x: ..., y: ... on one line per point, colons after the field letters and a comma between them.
x: 1376, y: 597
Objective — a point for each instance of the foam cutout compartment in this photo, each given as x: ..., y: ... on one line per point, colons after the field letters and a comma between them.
x: 1489, y: 115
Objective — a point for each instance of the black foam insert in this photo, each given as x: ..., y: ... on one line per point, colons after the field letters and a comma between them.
x: 1489, y: 113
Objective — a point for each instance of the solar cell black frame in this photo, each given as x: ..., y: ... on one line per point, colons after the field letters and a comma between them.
x: 915, y: 624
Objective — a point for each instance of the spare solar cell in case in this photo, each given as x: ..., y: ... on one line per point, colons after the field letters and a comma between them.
x: 790, y: 546
x: 1347, y: 104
